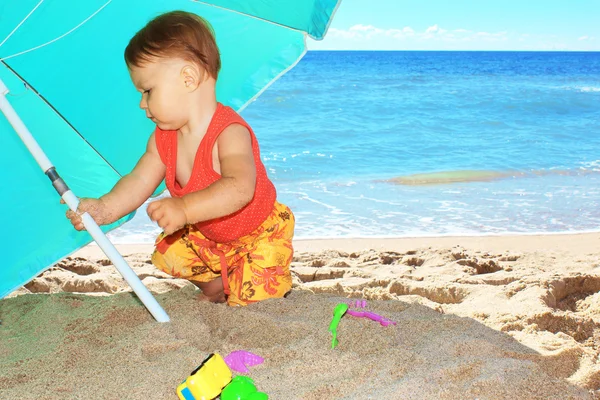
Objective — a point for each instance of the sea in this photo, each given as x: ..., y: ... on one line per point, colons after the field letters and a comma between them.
x: 411, y: 144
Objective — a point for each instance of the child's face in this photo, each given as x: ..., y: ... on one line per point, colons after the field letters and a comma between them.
x: 165, y: 92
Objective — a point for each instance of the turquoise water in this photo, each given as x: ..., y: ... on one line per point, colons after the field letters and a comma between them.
x: 339, y: 125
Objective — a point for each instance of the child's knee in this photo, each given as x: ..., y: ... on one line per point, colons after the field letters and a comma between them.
x: 211, y: 291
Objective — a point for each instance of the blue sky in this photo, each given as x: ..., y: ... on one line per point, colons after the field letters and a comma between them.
x: 464, y: 25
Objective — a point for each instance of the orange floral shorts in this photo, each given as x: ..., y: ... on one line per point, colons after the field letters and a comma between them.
x: 257, y: 266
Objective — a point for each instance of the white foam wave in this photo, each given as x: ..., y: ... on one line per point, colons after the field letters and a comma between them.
x: 589, y: 89
x: 591, y: 165
x: 583, y: 89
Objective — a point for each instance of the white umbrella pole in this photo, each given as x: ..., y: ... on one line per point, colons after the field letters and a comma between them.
x: 72, y: 201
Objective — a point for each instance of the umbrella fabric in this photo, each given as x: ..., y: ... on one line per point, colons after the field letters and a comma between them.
x: 62, y: 61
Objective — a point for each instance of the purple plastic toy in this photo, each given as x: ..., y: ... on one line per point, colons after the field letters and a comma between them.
x: 239, y: 359
x: 372, y: 316
x: 367, y: 314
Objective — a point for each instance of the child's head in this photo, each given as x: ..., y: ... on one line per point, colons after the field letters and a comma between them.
x: 172, y: 56
x: 176, y: 34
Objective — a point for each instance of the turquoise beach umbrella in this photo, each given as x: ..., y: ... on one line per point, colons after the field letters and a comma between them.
x: 63, y: 75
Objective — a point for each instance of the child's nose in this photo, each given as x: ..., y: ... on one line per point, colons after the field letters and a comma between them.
x: 143, y: 103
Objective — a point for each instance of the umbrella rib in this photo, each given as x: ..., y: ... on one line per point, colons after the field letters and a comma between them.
x: 60, y: 115
x: 338, y: 2
x: 109, y: 1
x: 333, y: 12
x: 22, y: 22
x: 58, y: 38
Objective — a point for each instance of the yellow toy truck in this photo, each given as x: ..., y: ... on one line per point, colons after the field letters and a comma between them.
x: 207, y: 381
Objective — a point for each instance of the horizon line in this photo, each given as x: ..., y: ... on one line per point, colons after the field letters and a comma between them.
x: 465, y: 50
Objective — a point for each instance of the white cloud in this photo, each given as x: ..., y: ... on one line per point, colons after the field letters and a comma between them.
x: 363, y: 28
x: 434, y: 37
x: 367, y: 31
x: 395, y: 33
x: 407, y: 31
x: 333, y: 32
x: 432, y: 29
x: 361, y: 32
x: 491, y: 37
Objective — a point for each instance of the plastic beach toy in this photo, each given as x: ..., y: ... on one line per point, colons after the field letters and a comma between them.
x: 242, y: 388
x: 338, y: 313
x: 239, y: 359
x: 368, y: 314
x: 372, y: 316
x: 206, y: 381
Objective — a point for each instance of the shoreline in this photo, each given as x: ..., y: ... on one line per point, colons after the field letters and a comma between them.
x: 574, y: 242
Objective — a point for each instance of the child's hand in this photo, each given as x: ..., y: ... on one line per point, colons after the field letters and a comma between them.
x: 168, y: 213
x: 95, y: 207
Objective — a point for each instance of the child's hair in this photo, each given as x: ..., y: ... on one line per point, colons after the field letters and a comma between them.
x: 176, y: 34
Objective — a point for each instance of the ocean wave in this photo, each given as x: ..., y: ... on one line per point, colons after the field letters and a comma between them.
x: 589, y: 89
x: 591, y: 165
x: 583, y: 89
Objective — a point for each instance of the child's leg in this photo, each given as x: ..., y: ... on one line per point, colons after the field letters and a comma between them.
x: 179, y: 256
x: 264, y: 271
x: 211, y: 291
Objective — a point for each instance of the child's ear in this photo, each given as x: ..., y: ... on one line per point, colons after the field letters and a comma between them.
x: 192, y: 76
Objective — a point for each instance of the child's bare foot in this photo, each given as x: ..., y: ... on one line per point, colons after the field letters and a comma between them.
x: 218, y: 298
x: 211, y: 291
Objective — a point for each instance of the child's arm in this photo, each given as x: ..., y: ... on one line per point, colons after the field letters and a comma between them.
x: 227, y: 195
x: 130, y: 192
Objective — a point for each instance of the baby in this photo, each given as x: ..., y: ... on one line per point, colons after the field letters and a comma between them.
x: 223, y: 228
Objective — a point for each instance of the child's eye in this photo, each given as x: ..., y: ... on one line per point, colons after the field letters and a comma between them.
x: 147, y: 91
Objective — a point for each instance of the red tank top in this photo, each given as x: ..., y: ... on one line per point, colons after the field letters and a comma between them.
x: 241, y: 222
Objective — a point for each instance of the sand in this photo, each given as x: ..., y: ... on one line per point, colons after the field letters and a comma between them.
x: 507, y: 317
